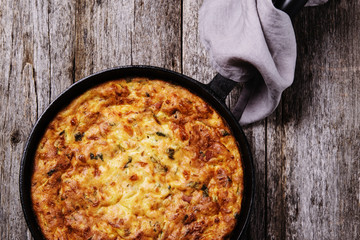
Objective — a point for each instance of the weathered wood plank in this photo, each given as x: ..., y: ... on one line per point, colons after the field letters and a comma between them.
x: 53, y: 28
x: 103, y: 35
x: 27, y: 87
x: 17, y: 99
x: 195, y: 59
x: 255, y: 134
x: 40, y: 52
x: 157, y: 34
x: 6, y: 68
x: 313, y: 138
x: 61, y: 37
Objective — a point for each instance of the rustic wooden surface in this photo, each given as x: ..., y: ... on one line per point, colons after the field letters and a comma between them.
x: 306, y: 154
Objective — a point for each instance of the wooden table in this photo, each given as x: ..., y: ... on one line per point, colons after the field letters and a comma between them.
x: 306, y: 153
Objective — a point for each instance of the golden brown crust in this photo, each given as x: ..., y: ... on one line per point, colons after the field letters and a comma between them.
x: 139, y: 159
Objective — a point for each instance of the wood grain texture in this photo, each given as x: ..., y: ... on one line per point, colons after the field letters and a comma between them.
x: 157, y: 34
x: 29, y: 81
x: 15, y: 120
x: 255, y: 134
x: 313, y: 138
x: 195, y: 59
x: 306, y: 154
x: 104, y: 30
x: 61, y: 37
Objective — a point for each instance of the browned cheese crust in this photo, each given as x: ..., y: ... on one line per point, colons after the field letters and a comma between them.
x: 137, y: 159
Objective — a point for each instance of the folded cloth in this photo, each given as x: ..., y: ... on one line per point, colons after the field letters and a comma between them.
x: 245, y: 38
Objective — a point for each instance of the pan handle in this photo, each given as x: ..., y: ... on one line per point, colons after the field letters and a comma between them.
x: 222, y: 86
x: 291, y: 7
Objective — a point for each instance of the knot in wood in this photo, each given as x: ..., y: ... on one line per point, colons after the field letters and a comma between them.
x: 15, y: 136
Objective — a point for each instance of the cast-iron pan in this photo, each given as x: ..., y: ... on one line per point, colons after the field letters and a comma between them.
x: 203, y: 91
x: 214, y: 93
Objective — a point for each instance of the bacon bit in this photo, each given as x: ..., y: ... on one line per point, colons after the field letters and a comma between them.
x: 87, y: 230
x: 196, y: 229
x: 129, y: 130
x: 114, y: 225
x: 131, y: 120
x: 112, y: 184
x: 208, y: 155
x: 183, y: 134
x: 181, y: 131
x: 148, y: 102
x: 42, y: 155
x: 189, y: 219
x: 134, y: 177
x: 226, y: 210
x: 204, y: 109
x: 216, y: 220
x: 175, y: 216
x: 121, y: 91
x: 186, y: 174
x: 143, y: 164
x: 201, y: 136
x: 222, y: 178
x: 70, y: 155
x: 51, y: 126
x: 73, y: 121
x: 155, y: 206
x: 185, y: 106
x: 104, y: 129
x: 127, y: 232
x: 93, y: 137
x: 186, y: 198
x: 208, y: 207
x: 81, y: 157
x: 97, y: 172
x: 158, y: 105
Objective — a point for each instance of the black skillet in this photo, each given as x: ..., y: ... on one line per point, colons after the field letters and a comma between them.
x: 214, y: 93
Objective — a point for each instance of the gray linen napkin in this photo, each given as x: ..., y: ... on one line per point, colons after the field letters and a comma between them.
x: 248, y: 37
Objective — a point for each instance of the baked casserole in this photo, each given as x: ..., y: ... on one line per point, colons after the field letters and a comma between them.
x: 137, y: 159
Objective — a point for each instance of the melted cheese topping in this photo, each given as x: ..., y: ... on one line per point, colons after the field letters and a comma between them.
x: 137, y: 159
